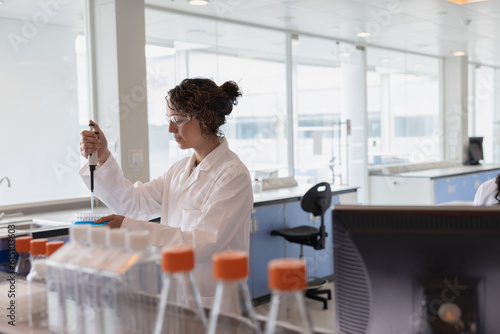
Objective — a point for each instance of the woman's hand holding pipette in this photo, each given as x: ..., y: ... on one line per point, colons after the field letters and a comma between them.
x: 115, y: 221
x: 92, y: 142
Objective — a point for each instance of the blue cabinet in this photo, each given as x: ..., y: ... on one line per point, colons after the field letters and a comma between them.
x: 264, y: 247
x: 460, y: 188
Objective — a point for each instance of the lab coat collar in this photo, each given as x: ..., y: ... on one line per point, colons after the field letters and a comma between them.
x: 213, y: 156
x: 205, y: 164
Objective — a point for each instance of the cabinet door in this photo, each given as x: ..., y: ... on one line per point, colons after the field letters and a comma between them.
x: 390, y: 190
x: 449, y: 189
x: 471, y: 183
x: 264, y: 247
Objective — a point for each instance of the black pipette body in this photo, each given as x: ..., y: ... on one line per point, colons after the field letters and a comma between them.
x: 92, y: 165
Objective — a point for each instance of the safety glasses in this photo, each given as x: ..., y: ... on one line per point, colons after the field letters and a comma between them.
x: 178, y: 120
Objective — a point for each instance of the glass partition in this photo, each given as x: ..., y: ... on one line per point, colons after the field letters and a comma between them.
x: 318, y: 146
x: 484, y: 99
x: 45, y: 100
x: 403, y: 107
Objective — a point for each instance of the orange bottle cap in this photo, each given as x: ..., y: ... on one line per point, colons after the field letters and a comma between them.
x: 38, y: 246
x: 230, y: 265
x: 180, y: 258
x: 23, y: 244
x: 52, y: 246
x: 286, y: 274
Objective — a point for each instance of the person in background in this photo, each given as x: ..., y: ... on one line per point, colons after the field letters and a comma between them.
x: 488, y: 193
x: 204, y: 201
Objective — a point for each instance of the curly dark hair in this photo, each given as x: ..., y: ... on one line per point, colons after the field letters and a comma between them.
x: 202, y: 99
x: 497, y: 195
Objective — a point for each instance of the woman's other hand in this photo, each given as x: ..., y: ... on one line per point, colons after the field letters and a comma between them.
x: 91, y: 142
x: 115, y: 221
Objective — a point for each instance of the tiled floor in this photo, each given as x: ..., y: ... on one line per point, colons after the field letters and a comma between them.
x: 322, y: 319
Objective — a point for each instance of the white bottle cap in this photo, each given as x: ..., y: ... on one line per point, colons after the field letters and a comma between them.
x: 79, y: 233
x: 137, y: 240
x: 116, y: 238
x: 97, y: 235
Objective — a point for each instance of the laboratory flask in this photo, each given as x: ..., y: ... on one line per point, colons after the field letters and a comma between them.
x: 232, y: 311
x: 287, y: 282
x: 180, y: 309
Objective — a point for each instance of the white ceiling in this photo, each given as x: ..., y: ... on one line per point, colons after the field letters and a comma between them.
x: 430, y: 27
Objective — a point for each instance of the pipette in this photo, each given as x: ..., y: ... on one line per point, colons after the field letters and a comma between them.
x: 92, y: 165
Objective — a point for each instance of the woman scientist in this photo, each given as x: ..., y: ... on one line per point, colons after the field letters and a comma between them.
x: 204, y: 201
x: 488, y: 193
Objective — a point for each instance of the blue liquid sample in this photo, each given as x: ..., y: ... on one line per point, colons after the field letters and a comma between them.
x: 90, y: 222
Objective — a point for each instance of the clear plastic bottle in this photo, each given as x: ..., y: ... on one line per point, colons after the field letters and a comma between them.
x: 23, y: 264
x: 96, y: 320
x: 146, y: 271
x: 129, y: 285
x: 88, y: 279
x: 37, y: 293
x: 180, y: 309
x: 55, y: 277
x: 73, y: 304
x: 288, y: 313
x: 37, y: 297
x: 142, y: 284
x: 257, y: 186
x: 112, y: 293
x: 232, y: 311
x: 61, y: 268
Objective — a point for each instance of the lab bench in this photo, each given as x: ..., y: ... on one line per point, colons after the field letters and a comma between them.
x: 273, y: 209
x: 430, y: 186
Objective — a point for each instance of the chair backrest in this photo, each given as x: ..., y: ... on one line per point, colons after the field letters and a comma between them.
x: 317, y: 199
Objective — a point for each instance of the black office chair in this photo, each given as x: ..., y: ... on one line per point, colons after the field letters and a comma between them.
x: 316, y: 201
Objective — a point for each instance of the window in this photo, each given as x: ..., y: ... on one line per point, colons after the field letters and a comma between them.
x: 483, y: 97
x: 256, y: 127
x: 45, y: 104
x: 414, y: 126
x: 315, y: 74
x: 160, y: 69
x: 403, y: 107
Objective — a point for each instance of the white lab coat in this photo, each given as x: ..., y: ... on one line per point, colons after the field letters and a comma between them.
x: 485, y: 194
x: 208, y: 209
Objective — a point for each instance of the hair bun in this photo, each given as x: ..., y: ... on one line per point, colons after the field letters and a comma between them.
x: 232, y: 90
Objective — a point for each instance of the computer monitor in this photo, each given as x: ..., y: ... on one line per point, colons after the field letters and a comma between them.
x: 475, y: 150
x: 414, y: 269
